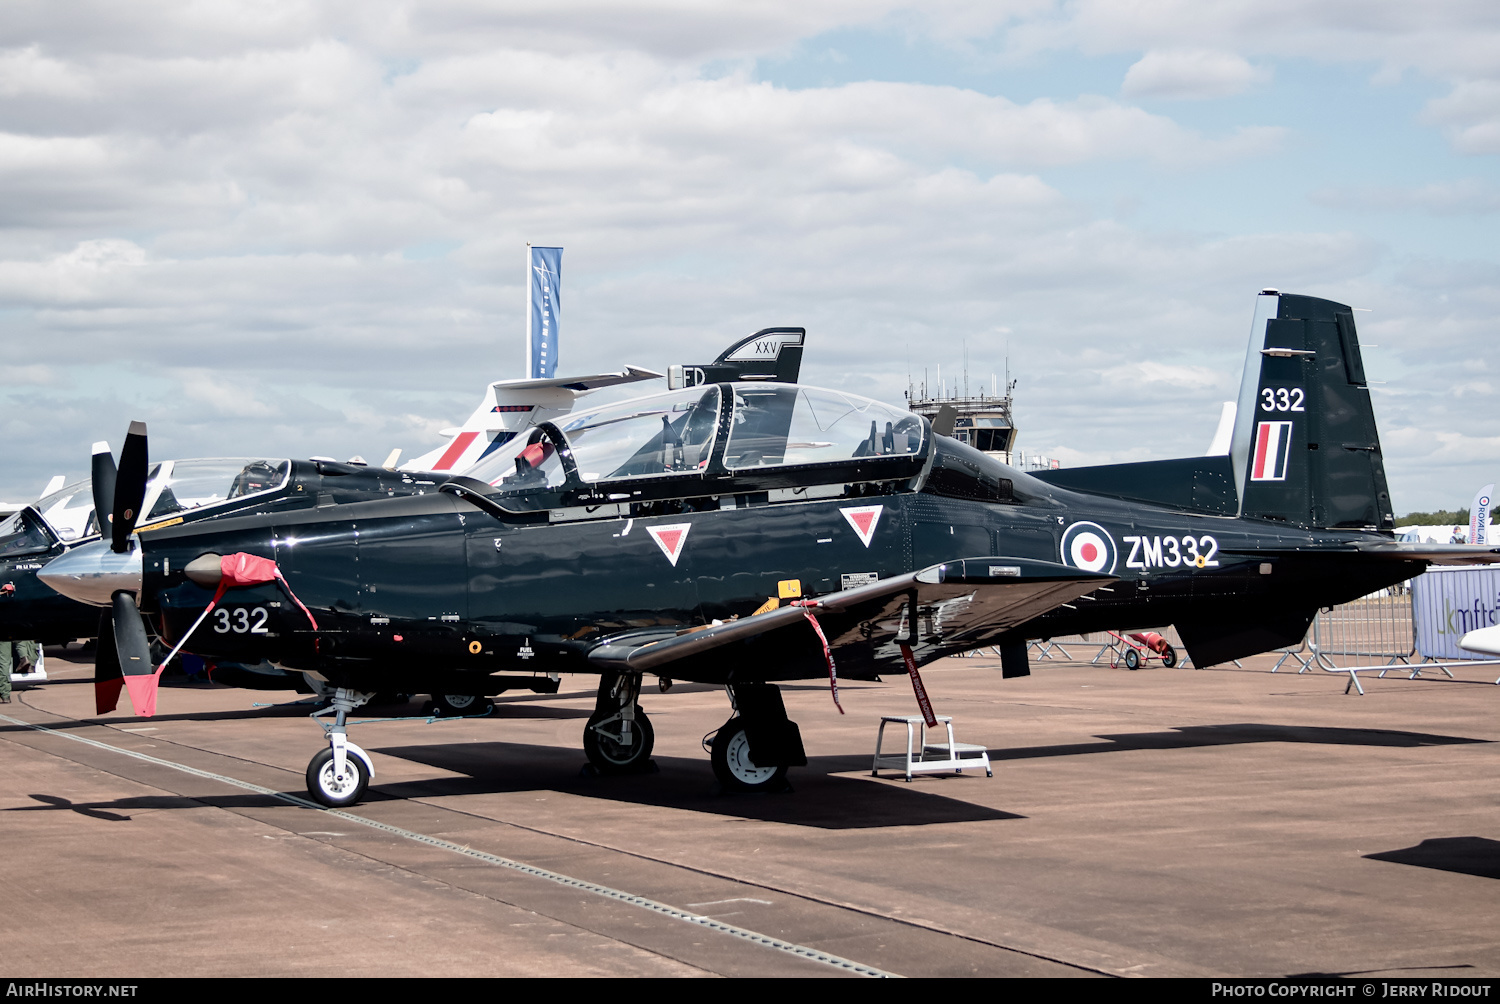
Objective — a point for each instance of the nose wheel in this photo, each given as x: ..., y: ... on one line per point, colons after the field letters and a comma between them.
x: 335, y: 788
x: 338, y: 775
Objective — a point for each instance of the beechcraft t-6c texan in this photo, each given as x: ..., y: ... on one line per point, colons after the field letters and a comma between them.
x: 745, y: 533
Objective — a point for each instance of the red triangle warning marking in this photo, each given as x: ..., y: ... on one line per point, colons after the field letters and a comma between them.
x: 864, y: 519
x: 670, y: 537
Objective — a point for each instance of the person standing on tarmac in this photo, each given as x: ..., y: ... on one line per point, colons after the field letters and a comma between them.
x: 22, y: 662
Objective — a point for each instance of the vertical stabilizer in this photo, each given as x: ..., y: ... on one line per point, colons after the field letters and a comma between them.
x: 1305, y: 449
x: 1219, y: 445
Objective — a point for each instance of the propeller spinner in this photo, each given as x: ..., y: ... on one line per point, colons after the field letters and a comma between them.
x: 108, y: 574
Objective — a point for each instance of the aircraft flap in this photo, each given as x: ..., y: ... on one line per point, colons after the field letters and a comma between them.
x: 967, y: 602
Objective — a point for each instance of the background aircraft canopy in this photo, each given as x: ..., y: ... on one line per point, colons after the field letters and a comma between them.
x: 173, y: 486
x: 69, y: 511
x: 24, y: 533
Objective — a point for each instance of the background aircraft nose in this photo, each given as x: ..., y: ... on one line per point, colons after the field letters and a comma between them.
x: 1485, y: 641
x: 94, y: 572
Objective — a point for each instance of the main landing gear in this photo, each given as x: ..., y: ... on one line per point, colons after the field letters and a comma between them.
x: 460, y: 705
x: 730, y: 755
x: 338, y: 775
x: 752, y: 751
x: 619, y: 738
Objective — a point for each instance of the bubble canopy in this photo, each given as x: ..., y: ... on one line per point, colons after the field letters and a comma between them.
x: 736, y: 429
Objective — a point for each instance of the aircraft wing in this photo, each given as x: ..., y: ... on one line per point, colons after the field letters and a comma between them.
x: 972, y: 598
x: 630, y: 374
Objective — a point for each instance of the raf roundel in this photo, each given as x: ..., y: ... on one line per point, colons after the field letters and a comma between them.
x: 1090, y: 547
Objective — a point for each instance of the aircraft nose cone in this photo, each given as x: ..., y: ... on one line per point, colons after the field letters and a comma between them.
x: 93, y: 573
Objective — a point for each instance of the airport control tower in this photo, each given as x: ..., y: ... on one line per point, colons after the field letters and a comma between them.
x: 984, y: 421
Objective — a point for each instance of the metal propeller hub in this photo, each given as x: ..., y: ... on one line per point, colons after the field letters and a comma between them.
x: 94, y: 572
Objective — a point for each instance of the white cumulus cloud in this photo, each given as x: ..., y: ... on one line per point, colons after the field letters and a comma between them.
x: 1191, y: 73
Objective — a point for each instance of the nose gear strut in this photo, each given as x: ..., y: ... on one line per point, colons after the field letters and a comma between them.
x: 338, y: 775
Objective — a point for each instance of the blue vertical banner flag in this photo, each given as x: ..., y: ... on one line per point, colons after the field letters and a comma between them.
x: 543, y: 308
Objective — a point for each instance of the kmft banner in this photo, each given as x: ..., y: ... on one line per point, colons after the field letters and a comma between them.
x: 1446, y: 603
x: 543, y: 307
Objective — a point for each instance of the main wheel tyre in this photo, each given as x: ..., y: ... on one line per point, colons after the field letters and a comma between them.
x: 733, y: 767
x: 605, y: 750
x: 1169, y: 657
x: 460, y: 705
x: 336, y: 792
x: 1132, y: 659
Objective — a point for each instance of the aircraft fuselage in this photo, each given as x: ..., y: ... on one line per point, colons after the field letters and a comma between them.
x: 433, y: 590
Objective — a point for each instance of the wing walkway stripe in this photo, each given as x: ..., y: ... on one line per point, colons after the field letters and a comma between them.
x: 665, y: 910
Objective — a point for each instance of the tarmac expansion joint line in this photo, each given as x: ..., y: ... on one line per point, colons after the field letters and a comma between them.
x: 606, y: 892
x: 851, y: 907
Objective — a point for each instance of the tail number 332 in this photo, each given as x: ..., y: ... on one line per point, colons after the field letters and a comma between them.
x: 1172, y: 552
x: 240, y: 620
x: 1282, y: 399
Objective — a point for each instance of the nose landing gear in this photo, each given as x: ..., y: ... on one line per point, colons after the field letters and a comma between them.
x: 337, y: 776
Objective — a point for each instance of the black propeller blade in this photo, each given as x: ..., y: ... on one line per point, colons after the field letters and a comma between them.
x: 108, y: 680
x: 130, y: 486
x: 104, y: 486
x: 124, y: 649
x: 132, y: 647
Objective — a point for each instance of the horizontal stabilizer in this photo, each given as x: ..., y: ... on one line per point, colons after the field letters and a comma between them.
x: 1437, y: 554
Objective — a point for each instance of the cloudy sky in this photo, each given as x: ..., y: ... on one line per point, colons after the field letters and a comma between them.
x: 288, y: 227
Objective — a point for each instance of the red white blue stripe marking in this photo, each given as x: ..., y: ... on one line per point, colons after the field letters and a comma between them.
x: 1273, y: 448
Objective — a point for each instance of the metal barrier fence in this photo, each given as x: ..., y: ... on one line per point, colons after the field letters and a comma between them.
x: 1372, y: 627
x: 1100, y: 646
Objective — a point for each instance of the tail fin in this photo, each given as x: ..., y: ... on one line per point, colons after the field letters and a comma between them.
x: 1305, y: 449
x: 509, y: 407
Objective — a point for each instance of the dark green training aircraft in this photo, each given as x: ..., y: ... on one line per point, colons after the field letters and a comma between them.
x: 747, y: 533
